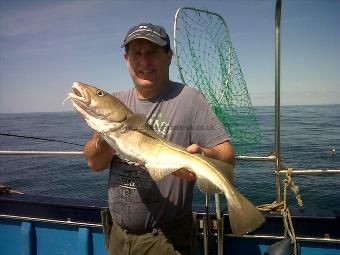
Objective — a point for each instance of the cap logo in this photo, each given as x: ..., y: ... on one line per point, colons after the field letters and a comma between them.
x: 143, y: 26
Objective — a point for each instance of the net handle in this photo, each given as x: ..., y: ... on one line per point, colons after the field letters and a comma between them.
x: 175, y: 29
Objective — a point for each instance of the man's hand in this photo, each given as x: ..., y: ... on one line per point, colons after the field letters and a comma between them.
x: 183, y: 172
x: 223, y: 152
x: 98, y: 153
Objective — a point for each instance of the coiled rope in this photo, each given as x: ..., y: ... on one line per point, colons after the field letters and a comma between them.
x: 283, y: 208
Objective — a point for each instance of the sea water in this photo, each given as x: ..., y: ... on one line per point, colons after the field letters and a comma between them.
x: 308, y: 136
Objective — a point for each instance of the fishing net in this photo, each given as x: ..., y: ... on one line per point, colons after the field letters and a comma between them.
x: 207, y: 60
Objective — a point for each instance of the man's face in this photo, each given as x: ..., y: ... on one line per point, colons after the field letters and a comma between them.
x: 148, y: 63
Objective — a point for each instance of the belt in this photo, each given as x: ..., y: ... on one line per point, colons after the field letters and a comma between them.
x: 173, y: 225
x: 154, y: 231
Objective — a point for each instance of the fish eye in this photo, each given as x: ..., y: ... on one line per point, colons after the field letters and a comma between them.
x: 100, y: 93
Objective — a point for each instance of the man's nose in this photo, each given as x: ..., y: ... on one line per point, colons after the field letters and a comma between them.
x: 145, y: 58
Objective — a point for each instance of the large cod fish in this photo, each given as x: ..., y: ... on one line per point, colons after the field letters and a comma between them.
x: 135, y: 141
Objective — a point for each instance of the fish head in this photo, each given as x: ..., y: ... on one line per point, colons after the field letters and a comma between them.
x: 102, y: 111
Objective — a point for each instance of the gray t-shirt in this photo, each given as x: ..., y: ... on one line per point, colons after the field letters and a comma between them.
x: 181, y: 115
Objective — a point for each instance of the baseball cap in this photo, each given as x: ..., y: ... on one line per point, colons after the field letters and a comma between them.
x: 148, y: 31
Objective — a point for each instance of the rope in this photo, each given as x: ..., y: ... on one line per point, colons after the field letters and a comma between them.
x: 39, y: 138
x: 283, y: 208
x: 287, y: 219
x: 275, y: 206
x: 289, y: 182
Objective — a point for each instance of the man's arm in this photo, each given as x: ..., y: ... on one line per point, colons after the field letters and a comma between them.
x: 98, y: 153
x: 223, y: 151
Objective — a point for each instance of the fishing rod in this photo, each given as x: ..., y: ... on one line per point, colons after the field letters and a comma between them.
x: 39, y: 138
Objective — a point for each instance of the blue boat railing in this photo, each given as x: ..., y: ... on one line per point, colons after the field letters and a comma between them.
x: 39, y: 222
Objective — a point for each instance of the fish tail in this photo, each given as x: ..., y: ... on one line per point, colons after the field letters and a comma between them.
x: 244, y: 217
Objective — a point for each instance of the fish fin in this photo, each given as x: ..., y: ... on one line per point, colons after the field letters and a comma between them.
x: 138, y: 122
x: 158, y: 171
x: 148, y: 131
x: 246, y: 219
x: 135, y: 122
x: 207, y: 186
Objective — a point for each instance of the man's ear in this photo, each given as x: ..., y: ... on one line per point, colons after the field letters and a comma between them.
x: 170, y: 54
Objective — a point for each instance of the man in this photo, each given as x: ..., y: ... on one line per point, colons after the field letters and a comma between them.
x: 156, y: 217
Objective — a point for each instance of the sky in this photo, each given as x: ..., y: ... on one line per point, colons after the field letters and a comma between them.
x: 47, y: 45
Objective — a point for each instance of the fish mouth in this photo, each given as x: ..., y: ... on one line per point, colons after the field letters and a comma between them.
x: 81, y: 100
x: 79, y: 95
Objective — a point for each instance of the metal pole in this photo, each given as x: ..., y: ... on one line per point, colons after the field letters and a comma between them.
x: 219, y: 224
x: 256, y: 158
x: 312, y: 171
x: 277, y: 98
x: 206, y: 225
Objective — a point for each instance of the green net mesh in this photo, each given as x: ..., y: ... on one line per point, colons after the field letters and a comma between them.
x: 207, y: 60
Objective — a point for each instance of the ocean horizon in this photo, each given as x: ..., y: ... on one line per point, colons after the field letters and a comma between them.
x: 254, y: 106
